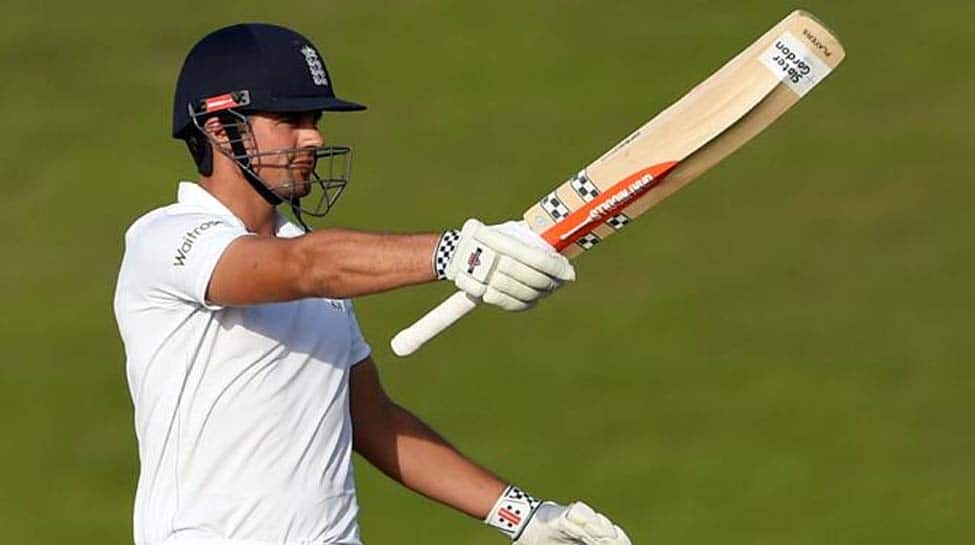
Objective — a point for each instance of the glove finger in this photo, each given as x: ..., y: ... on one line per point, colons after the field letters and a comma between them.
x: 465, y: 283
x: 601, y: 527
x: 519, y: 230
x: 527, y: 275
x: 621, y: 538
x: 584, y: 524
x: 594, y: 527
x: 507, y: 302
x: 548, y: 262
x: 579, y: 513
x: 510, y: 286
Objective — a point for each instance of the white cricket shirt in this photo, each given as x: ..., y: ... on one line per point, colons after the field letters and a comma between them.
x: 241, y: 413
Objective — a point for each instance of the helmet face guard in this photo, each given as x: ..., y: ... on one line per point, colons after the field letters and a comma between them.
x: 242, y: 148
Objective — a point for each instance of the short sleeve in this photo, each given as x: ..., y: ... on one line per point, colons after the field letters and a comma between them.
x: 172, y: 255
x: 360, y: 349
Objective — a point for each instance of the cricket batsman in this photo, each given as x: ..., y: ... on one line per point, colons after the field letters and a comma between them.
x: 250, y: 379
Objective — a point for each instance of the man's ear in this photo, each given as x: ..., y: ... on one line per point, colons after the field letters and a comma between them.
x: 215, y: 131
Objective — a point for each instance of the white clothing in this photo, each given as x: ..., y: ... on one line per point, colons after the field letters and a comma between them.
x: 241, y: 413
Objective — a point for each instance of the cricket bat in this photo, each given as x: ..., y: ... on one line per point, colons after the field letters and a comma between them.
x: 706, y: 125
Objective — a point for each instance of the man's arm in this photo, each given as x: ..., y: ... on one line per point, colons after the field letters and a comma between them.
x: 409, y: 451
x: 491, y: 263
x: 335, y: 263
x: 400, y: 445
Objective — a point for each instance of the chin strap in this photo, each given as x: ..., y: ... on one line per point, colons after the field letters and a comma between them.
x: 296, y: 210
x: 225, y: 106
x: 244, y: 162
x: 237, y: 146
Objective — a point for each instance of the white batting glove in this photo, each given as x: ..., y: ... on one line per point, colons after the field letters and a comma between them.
x: 505, y: 265
x: 520, y: 230
x: 530, y: 522
x: 576, y: 523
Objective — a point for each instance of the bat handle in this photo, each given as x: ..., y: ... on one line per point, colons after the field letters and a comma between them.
x: 432, y: 323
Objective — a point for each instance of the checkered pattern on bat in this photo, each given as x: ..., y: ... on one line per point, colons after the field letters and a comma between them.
x: 554, y: 207
x: 588, y: 241
x: 618, y: 221
x: 583, y: 186
x: 588, y: 191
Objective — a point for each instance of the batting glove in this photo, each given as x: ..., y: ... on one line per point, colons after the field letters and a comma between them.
x: 529, y: 522
x: 505, y: 265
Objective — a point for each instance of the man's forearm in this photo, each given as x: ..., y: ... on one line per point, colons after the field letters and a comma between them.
x: 412, y: 453
x: 345, y: 263
x: 406, y: 449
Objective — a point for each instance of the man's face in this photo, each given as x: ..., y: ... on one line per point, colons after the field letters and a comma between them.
x: 286, y: 173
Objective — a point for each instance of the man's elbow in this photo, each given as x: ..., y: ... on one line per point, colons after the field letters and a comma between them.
x: 316, y: 274
x: 373, y: 431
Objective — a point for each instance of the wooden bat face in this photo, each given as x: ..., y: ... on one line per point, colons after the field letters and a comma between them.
x: 706, y: 125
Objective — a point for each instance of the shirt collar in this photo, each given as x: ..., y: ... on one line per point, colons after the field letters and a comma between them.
x: 194, y: 195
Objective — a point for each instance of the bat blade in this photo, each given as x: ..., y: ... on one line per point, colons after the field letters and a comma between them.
x: 707, y: 124
x: 710, y: 122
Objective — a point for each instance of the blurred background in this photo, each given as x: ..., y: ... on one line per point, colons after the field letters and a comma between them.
x: 780, y: 353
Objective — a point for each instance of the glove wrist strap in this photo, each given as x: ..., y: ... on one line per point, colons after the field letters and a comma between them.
x: 512, y: 512
x: 446, y: 247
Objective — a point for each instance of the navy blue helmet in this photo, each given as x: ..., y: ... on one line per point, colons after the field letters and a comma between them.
x: 279, y: 69
x: 253, y: 67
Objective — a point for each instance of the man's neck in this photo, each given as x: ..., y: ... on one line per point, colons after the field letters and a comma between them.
x: 236, y: 194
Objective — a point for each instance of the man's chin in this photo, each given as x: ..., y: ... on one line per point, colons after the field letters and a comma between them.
x: 297, y: 189
x: 302, y: 188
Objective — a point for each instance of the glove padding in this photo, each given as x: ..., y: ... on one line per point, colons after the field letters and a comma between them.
x: 506, y: 265
x: 577, y: 523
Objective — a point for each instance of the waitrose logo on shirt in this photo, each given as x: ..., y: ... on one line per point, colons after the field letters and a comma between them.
x: 189, y: 238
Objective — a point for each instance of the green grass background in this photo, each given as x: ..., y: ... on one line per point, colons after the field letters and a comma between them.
x: 780, y: 354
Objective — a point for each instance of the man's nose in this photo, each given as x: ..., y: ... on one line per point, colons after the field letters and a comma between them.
x: 312, y: 137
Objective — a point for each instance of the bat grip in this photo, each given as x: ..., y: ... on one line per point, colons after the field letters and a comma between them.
x: 432, y: 323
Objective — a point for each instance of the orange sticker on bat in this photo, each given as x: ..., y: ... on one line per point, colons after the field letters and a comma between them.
x: 607, y: 204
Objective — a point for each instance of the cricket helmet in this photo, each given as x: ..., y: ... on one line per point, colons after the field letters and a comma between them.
x: 255, y: 67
